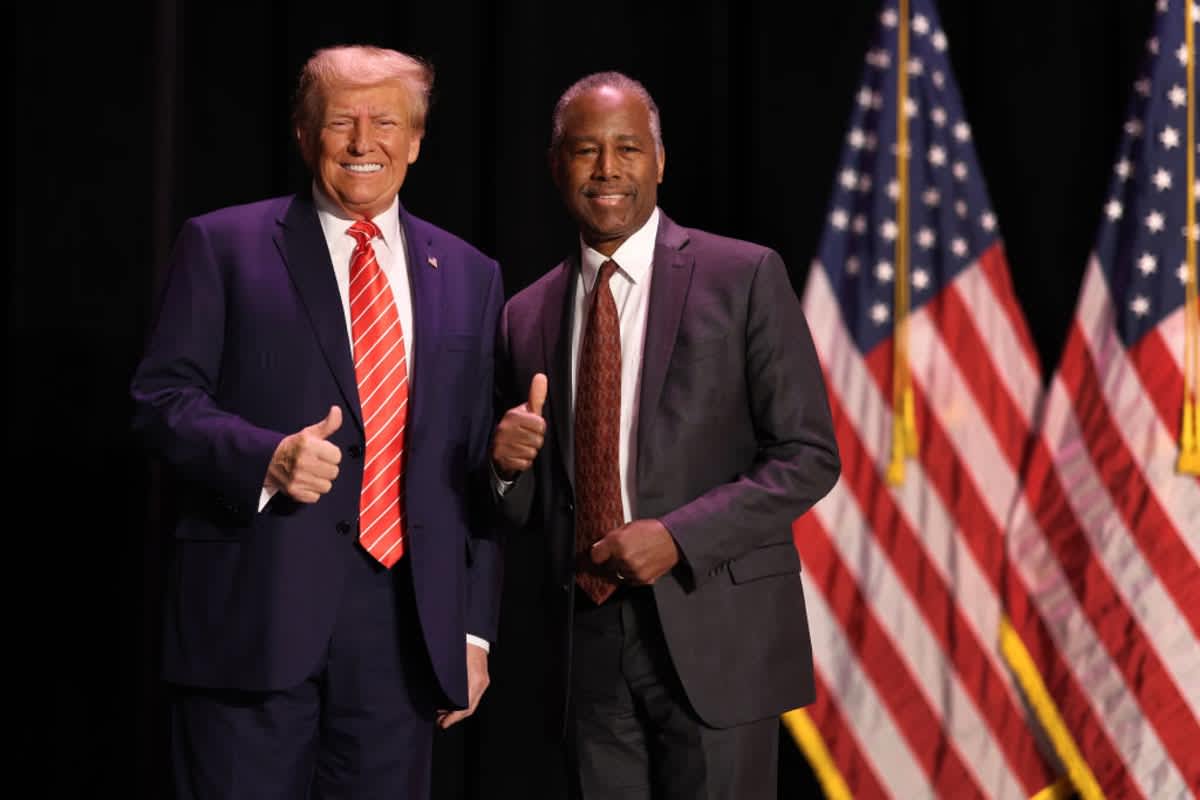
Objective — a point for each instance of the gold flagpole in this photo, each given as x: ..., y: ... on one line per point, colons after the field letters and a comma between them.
x: 904, y: 424
x: 1189, y: 434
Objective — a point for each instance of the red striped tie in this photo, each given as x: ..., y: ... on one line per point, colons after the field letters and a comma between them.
x: 382, y: 373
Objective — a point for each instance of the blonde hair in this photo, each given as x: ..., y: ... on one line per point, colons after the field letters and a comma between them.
x: 360, y: 65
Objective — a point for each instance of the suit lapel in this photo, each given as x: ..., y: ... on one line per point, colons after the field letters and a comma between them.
x: 668, y: 291
x: 425, y: 280
x: 302, y: 245
x: 556, y: 344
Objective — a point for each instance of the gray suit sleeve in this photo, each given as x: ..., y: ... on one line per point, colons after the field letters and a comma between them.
x: 796, y: 461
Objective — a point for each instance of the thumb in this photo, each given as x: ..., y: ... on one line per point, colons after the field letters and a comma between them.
x: 328, y: 426
x: 537, y: 393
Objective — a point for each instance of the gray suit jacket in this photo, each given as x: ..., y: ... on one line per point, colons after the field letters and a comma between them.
x: 734, y: 442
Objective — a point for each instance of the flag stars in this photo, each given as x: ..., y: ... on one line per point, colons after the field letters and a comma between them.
x: 938, y: 78
x: 848, y: 178
x: 962, y: 131
x: 987, y: 221
x: 889, y: 18
x: 1142, y: 87
x: 1177, y: 95
x: 839, y: 219
x: 920, y: 24
x: 937, y: 156
x: 1182, y: 55
x: 1147, y: 264
x: 939, y: 43
x: 938, y: 115
x: 960, y: 208
x: 853, y: 265
x: 1113, y: 209
x: 864, y: 183
x: 916, y: 66
x: 1183, y: 273
x: 1195, y: 232
x: 1140, y: 306
x: 893, y: 190
x: 879, y: 59
x: 879, y: 313
x: 1123, y: 169
x: 859, y: 224
x: 926, y: 238
x: 920, y: 278
x: 960, y: 170
x: 910, y: 107
x: 1169, y: 137
x: 1133, y: 127
x: 856, y: 139
x: 1152, y: 45
x: 1154, y: 222
x: 884, y: 272
x: 959, y: 247
x: 1162, y: 180
x: 864, y: 97
x: 931, y: 197
x: 888, y: 230
x: 1162, y: 6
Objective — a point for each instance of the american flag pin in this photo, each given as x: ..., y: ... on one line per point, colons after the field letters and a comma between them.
x: 433, y: 261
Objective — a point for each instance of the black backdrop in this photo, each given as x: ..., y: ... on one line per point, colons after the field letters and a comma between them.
x: 126, y: 118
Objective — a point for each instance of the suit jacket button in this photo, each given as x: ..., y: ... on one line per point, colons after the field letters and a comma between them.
x: 343, y: 527
x: 355, y: 451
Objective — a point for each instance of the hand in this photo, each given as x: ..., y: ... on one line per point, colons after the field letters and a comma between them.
x: 521, y: 432
x: 477, y: 683
x: 305, y: 464
x: 640, y: 552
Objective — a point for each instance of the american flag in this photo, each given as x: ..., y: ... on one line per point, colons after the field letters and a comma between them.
x: 905, y: 571
x: 1105, y: 545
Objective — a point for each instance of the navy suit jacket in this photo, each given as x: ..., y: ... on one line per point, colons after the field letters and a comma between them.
x: 734, y: 441
x: 250, y: 345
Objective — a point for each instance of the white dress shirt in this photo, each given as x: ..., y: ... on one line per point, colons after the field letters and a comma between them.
x: 630, y: 286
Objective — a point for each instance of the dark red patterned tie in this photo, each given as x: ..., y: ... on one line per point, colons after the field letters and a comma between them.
x: 382, y: 372
x: 597, y: 435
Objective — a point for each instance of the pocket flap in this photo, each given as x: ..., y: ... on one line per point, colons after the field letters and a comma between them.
x: 774, y: 559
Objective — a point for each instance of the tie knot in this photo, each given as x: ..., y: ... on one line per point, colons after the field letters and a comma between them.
x: 363, y: 231
x: 606, y: 271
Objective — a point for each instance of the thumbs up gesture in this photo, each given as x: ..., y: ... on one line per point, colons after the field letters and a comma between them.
x: 305, y: 463
x: 520, y: 433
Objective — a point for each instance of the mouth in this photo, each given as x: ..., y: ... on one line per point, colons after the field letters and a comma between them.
x: 362, y: 169
x: 608, y: 198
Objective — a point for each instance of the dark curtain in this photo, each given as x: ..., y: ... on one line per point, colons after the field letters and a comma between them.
x: 127, y: 118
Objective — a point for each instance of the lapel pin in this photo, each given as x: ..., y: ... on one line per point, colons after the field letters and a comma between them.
x: 433, y: 261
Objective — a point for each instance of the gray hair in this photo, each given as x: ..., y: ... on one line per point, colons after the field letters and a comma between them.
x: 360, y: 65
x: 597, y: 80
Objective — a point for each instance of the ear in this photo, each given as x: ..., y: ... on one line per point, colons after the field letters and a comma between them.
x: 302, y: 141
x: 414, y: 146
x: 662, y: 162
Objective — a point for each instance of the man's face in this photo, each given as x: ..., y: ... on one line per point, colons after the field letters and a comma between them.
x: 361, y: 148
x: 607, y: 166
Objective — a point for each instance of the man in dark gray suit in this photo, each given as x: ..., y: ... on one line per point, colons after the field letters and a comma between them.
x: 685, y: 427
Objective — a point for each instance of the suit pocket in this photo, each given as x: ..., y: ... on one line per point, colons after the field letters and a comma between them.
x: 763, y: 562
x: 688, y: 350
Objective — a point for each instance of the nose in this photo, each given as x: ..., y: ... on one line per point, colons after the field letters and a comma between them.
x: 360, y: 137
x: 605, y: 165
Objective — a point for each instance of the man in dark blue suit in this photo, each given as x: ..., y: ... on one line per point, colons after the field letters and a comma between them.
x: 307, y: 657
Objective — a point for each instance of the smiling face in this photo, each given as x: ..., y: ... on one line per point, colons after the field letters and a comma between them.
x: 607, y: 166
x: 361, y: 145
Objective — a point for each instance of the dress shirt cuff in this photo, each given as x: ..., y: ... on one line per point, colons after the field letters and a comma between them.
x: 265, y: 497
x: 483, y: 644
